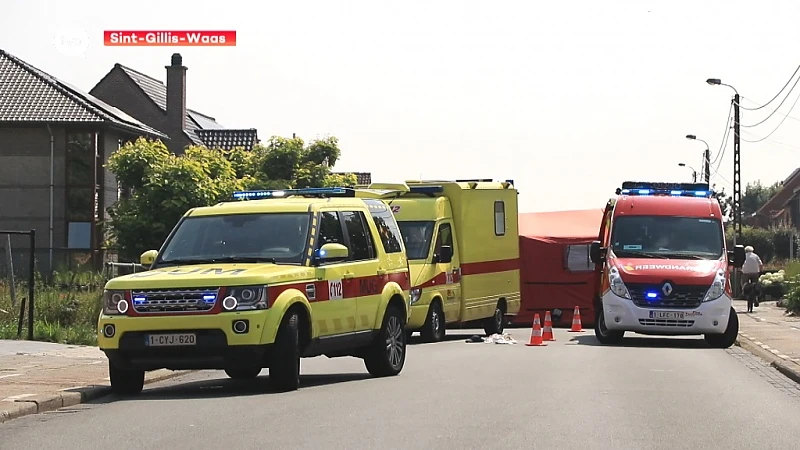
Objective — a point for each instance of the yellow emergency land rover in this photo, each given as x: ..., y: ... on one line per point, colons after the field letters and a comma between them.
x: 246, y: 285
x: 462, y: 241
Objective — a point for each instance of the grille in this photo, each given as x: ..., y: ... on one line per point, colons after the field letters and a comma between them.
x: 682, y: 296
x: 666, y: 323
x: 174, y: 300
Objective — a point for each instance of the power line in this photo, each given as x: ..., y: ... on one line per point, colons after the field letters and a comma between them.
x: 776, y: 95
x: 777, y: 127
x: 724, y: 136
x: 776, y: 109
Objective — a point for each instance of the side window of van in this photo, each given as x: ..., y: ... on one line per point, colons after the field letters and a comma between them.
x: 499, y: 218
x: 388, y: 230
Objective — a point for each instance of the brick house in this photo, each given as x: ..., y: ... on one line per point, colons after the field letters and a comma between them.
x: 163, y: 107
x: 783, y: 208
x: 54, y: 142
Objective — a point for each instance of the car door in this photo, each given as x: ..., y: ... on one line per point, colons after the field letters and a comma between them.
x: 364, y: 261
x: 451, y: 290
x: 334, y: 307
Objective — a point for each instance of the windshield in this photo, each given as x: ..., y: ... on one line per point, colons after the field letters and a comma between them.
x: 417, y: 237
x: 275, y: 237
x: 667, y: 237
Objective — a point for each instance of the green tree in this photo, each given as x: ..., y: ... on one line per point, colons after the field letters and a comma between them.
x: 755, y: 195
x: 725, y: 202
x: 164, y: 186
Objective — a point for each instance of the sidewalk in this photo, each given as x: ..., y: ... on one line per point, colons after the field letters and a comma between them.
x: 773, y: 335
x: 40, y: 376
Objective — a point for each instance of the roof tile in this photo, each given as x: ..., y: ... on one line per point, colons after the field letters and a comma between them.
x: 28, y: 94
x: 228, y: 139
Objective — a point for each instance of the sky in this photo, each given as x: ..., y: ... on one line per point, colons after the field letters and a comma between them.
x: 568, y: 99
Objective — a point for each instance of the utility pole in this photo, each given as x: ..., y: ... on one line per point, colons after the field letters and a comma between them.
x: 737, y: 174
x: 707, y: 165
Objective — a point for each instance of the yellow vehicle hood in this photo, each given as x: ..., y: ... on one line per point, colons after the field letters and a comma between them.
x: 422, y: 273
x: 212, y: 275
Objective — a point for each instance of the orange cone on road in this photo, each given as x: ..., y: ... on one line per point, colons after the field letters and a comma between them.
x: 536, y: 333
x: 576, y: 321
x: 547, y: 333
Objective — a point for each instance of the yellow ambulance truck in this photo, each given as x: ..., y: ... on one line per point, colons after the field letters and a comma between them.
x: 462, y: 242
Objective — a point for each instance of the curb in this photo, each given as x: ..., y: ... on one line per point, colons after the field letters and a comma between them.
x: 793, y: 373
x: 70, y: 397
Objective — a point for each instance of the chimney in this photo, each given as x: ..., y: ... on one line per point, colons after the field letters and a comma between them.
x: 176, y: 98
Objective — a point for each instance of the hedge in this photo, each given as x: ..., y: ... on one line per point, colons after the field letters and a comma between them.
x: 771, y: 244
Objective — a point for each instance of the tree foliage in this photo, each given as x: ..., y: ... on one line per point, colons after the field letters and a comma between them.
x: 755, y: 195
x: 163, y: 186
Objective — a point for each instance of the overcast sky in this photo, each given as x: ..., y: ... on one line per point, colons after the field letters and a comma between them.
x: 568, y: 99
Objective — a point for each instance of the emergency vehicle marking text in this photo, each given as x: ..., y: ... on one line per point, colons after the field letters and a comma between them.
x: 672, y: 267
x: 335, y: 289
x: 180, y: 272
x: 368, y: 286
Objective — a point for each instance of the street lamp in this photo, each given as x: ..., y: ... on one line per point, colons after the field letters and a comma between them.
x: 706, y: 157
x: 694, y: 172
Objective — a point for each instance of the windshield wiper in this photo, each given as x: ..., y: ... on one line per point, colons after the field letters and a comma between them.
x: 684, y: 256
x: 631, y: 253
x: 224, y: 259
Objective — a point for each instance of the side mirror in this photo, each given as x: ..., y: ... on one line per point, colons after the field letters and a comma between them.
x: 332, y: 251
x: 445, y: 254
x: 736, y: 257
x: 148, y: 257
x: 596, y: 253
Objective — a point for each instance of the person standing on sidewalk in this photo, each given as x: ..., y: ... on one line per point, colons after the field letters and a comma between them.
x: 751, y: 269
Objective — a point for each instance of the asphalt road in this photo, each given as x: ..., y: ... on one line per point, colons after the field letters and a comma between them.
x: 648, y: 394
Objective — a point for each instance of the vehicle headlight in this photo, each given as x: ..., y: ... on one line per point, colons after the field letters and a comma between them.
x: 415, y: 295
x: 114, y: 302
x: 616, y: 284
x: 242, y: 298
x: 717, y: 287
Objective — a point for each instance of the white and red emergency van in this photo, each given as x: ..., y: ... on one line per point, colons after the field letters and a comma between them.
x: 662, y: 266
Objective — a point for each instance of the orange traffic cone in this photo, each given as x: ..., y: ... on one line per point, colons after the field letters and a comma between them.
x: 576, y: 321
x: 536, y: 333
x: 547, y: 333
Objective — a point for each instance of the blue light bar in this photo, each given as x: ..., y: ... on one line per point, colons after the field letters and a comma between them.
x: 669, y: 192
x: 427, y: 190
x: 282, y: 193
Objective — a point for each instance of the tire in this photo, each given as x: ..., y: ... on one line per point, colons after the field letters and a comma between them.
x: 434, y: 328
x: 245, y: 373
x: 603, y: 334
x: 387, y: 353
x: 125, y: 381
x: 284, y: 370
x: 496, y: 323
x: 728, y: 338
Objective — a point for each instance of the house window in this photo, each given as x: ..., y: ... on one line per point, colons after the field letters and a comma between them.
x: 83, y: 204
x: 499, y: 218
x: 577, y: 258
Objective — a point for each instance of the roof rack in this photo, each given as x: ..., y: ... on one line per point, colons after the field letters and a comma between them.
x: 283, y: 193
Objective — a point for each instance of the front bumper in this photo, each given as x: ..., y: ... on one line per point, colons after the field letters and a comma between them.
x: 217, y: 344
x: 623, y: 315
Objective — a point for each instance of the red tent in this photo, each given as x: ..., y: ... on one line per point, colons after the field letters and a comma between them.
x: 555, y: 271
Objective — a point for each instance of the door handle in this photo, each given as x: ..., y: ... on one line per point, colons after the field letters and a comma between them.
x: 348, y: 275
x: 381, y: 272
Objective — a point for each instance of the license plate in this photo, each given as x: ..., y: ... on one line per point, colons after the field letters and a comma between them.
x: 669, y: 315
x: 169, y: 340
